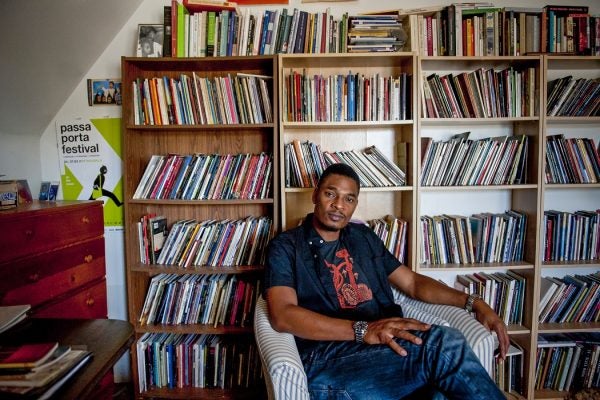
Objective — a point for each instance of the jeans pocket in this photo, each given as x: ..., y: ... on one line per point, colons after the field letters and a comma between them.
x: 329, y: 394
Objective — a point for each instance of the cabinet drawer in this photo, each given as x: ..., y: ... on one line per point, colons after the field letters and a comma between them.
x: 42, y: 286
x: 89, y: 302
x: 28, y: 274
x: 30, y: 233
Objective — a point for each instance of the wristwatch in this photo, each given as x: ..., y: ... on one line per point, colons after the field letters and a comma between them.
x: 470, y: 300
x: 360, y: 330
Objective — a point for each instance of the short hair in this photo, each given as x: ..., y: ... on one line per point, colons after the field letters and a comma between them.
x: 340, y: 169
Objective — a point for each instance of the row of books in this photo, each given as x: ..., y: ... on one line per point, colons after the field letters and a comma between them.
x: 568, y: 361
x: 38, y: 370
x: 198, y: 32
x: 346, y: 97
x: 482, y: 93
x: 306, y: 161
x: 206, y: 177
x: 392, y: 231
x: 573, y: 97
x: 504, y: 292
x: 460, y: 161
x: 214, y: 243
x: 175, y: 360
x: 480, y: 238
x: 572, y: 298
x: 571, y: 236
x: 239, y: 99
x: 508, y: 373
x: 218, y: 299
x: 483, y: 29
x: 571, y: 160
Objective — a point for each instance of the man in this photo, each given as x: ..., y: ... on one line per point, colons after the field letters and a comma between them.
x: 328, y: 283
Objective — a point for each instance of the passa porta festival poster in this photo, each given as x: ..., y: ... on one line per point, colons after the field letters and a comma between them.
x: 90, y: 159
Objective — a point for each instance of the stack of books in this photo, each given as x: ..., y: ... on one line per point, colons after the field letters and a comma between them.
x: 38, y: 370
x: 375, y: 33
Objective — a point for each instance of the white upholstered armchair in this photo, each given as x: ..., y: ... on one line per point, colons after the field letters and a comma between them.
x: 284, y: 374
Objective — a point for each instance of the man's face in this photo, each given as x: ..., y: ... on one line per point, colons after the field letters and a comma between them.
x: 335, y: 201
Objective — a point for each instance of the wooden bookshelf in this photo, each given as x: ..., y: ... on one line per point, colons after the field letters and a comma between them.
x: 143, y: 141
x: 288, y: 204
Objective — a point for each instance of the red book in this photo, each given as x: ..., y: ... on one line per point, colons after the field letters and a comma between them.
x: 194, y: 6
x: 27, y: 355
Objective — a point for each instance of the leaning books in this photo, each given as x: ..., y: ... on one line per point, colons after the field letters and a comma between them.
x: 44, y: 380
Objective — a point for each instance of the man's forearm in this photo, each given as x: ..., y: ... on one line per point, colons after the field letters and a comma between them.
x: 286, y: 316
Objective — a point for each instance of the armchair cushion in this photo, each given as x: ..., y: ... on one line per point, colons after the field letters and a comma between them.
x: 284, y: 373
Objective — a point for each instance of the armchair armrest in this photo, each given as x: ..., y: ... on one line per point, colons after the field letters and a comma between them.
x: 284, y: 374
x: 482, y: 341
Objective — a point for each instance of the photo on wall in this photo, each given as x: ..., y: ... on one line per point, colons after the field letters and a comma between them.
x: 104, y: 92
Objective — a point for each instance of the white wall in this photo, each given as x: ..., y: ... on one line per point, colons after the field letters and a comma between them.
x: 108, y: 66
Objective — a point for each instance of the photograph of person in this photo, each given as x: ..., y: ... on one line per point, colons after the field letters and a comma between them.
x: 150, y: 39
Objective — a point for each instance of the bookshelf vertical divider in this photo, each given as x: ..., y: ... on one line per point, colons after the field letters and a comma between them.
x: 141, y: 142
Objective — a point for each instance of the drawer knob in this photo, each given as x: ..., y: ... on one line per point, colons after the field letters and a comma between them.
x: 89, y: 258
x: 34, y: 277
x: 85, y: 219
x: 89, y: 302
x: 29, y: 233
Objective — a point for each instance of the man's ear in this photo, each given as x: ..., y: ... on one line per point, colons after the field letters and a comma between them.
x: 314, y: 195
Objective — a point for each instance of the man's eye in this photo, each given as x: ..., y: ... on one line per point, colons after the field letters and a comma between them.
x: 329, y: 194
x: 350, y: 199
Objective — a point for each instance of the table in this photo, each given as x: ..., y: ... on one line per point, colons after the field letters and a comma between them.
x: 107, y: 339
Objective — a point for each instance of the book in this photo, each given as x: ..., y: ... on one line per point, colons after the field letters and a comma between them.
x: 196, y: 6
x: 12, y: 315
x: 28, y: 355
x: 44, y: 190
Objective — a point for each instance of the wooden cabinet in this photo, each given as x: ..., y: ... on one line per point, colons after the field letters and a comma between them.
x: 52, y: 257
x: 141, y: 142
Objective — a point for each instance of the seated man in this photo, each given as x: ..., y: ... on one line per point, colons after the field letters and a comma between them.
x: 328, y: 283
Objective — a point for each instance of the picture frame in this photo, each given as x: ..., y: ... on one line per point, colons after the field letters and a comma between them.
x: 105, y: 91
x: 150, y: 40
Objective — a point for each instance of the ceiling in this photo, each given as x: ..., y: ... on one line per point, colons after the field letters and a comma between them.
x: 46, y: 48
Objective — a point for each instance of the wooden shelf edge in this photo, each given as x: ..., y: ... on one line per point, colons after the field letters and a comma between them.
x: 200, y: 202
x: 204, y: 270
x: 474, y: 267
x: 568, y: 327
x: 205, y: 393
x: 194, y: 329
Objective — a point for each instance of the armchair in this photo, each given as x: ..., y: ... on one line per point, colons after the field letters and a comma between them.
x: 282, y: 367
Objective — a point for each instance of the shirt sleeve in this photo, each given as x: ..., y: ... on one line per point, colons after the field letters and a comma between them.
x: 381, y: 253
x: 279, y: 265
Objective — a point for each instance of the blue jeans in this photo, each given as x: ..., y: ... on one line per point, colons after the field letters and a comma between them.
x: 444, y: 363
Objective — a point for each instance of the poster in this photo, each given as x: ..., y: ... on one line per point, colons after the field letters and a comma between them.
x: 90, y: 161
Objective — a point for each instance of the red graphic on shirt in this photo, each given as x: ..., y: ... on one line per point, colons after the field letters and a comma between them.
x: 349, y: 292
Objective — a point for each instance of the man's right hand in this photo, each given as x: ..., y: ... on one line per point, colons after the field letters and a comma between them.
x: 384, y: 331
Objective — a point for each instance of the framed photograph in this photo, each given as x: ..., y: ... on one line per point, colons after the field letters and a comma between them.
x: 104, y: 91
x: 150, y: 40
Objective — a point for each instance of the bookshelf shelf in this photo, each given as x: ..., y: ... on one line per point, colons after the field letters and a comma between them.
x: 479, y: 121
x: 205, y: 393
x: 476, y: 188
x: 568, y: 327
x: 223, y: 129
x: 167, y: 269
x: 354, y: 125
x: 476, y: 267
x: 195, y: 329
x: 197, y: 203
x: 141, y: 143
x: 362, y: 189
